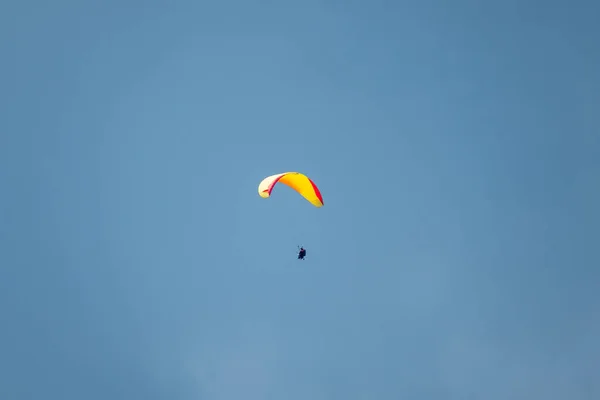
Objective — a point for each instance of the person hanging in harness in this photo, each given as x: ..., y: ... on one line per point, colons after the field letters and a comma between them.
x: 301, y: 254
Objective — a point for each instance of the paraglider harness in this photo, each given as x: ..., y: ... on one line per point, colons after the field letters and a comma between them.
x: 302, y: 253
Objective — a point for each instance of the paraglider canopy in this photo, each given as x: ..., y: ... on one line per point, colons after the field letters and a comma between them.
x: 297, y: 181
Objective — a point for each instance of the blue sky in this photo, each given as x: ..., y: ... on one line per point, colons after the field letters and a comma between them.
x: 457, y: 148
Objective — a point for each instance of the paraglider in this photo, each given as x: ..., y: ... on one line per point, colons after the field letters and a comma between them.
x: 302, y: 253
x: 301, y: 184
x: 297, y: 181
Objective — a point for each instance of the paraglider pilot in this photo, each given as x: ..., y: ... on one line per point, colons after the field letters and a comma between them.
x: 301, y: 254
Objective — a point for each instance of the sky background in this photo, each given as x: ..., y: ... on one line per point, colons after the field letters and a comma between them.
x: 457, y: 148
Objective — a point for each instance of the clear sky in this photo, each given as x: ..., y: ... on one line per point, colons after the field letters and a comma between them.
x: 457, y: 148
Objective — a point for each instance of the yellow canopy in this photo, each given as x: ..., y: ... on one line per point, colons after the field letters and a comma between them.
x: 297, y: 181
